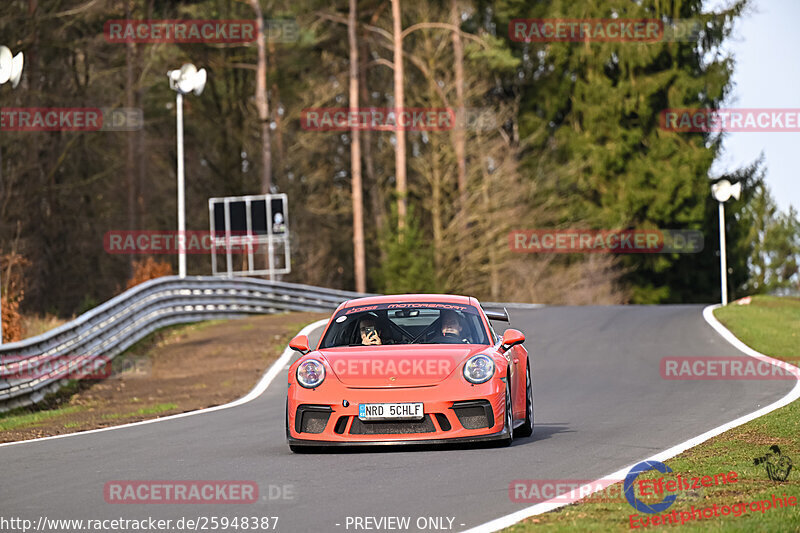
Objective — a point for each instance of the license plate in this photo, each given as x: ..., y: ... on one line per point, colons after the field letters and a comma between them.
x: 390, y: 411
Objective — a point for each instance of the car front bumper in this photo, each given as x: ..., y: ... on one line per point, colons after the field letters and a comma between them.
x: 329, y: 417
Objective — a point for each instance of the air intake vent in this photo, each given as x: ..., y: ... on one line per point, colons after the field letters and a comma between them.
x: 444, y: 423
x: 474, y: 414
x: 341, y: 424
x: 312, y: 418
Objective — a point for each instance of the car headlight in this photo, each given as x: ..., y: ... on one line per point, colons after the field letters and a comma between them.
x: 310, y: 373
x: 479, y: 369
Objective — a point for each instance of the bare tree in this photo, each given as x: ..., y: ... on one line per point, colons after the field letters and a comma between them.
x: 459, y: 139
x: 262, y: 104
x: 400, y: 148
x: 373, y: 185
x: 272, y: 74
x: 355, y: 159
x: 131, y: 136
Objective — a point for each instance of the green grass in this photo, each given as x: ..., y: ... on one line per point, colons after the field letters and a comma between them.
x: 152, y: 410
x: 20, y: 419
x: 771, y: 326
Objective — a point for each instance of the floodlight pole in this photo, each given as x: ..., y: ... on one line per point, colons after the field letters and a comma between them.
x: 722, y: 192
x: 187, y: 79
x: 723, y: 263
x: 181, y: 200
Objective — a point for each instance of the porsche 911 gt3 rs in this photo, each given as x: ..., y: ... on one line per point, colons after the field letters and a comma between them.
x: 410, y: 369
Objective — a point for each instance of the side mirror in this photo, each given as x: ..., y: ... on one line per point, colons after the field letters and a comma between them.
x: 512, y: 337
x: 300, y: 344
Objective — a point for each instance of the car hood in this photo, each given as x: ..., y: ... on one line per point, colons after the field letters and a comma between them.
x: 397, y: 366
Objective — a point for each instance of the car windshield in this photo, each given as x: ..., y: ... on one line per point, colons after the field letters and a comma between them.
x: 406, y: 323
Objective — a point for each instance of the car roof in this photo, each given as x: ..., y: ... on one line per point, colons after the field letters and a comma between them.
x: 398, y: 298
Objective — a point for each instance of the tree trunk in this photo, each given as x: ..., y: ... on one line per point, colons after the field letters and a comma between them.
x: 372, y: 184
x: 141, y: 158
x: 436, y: 216
x: 130, y: 159
x: 276, y: 99
x: 262, y: 104
x: 400, y: 148
x: 486, y: 187
x: 355, y: 159
x: 459, y: 138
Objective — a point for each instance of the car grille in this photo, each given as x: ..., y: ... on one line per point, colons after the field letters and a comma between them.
x: 392, y: 427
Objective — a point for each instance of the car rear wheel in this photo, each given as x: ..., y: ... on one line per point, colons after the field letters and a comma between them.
x: 526, y: 430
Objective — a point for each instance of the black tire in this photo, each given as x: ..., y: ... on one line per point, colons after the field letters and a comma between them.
x: 526, y: 430
x: 509, y: 418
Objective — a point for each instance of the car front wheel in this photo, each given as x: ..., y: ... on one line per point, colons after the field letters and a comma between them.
x: 526, y: 430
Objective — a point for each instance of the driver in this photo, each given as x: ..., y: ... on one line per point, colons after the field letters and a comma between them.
x: 368, y: 329
x: 452, y: 328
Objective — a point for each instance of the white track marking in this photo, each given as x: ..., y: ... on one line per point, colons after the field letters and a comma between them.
x: 257, y: 391
x: 590, y: 488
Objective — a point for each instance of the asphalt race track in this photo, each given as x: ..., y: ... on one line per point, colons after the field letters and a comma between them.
x: 600, y: 405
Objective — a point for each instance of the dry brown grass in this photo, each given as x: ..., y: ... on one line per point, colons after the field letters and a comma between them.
x: 12, y: 266
x: 147, y: 269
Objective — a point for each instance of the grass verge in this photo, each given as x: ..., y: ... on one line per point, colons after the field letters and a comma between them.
x: 771, y: 326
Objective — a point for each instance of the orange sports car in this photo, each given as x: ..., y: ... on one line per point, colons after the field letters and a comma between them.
x: 410, y: 369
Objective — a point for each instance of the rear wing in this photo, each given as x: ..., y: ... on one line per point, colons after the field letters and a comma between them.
x: 497, y: 315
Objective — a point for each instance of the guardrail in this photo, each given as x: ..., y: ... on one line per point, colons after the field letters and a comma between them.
x: 109, y: 329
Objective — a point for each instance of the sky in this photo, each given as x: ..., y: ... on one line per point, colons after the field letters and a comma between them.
x: 766, y: 47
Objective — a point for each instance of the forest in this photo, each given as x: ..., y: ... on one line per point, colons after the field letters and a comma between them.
x: 529, y: 134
